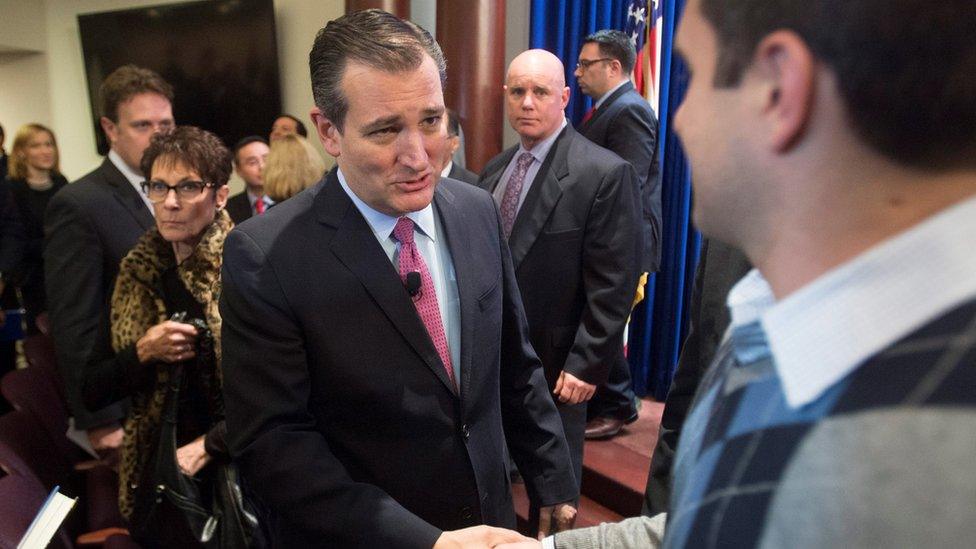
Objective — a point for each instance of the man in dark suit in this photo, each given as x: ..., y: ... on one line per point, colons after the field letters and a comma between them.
x: 622, y: 121
x: 452, y: 169
x: 720, y: 266
x: 90, y: 225
x: 376, y: 355
x: 250, y: 155
x: 569, y: 209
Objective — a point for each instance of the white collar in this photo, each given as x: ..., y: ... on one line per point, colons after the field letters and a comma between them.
x: 133, y: 177
x: 604, y: 97
x: 541, y: 149
x: 830, y: 327
x: 446, y: 172
x: 383, y: 224
x: 252, y: 198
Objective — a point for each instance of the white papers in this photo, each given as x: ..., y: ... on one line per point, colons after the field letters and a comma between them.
x: 47, y: 521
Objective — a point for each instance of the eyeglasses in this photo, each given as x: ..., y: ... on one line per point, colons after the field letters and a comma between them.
x: 585, y: 63
x: 157, y: 191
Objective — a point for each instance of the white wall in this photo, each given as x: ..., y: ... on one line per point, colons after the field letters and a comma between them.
x: 24, y: 95
x: 516, y: 41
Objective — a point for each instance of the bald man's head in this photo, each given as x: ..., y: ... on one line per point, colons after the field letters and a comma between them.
x: 535, y: 95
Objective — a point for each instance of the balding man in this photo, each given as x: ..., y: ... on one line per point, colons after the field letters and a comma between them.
x: 569, y: 211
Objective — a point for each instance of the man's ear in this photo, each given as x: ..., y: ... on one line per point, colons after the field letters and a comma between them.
x: 329, y: 134
x: 110, y: 129
x: 564, y: 97
x: 616, y: 68
x: 453, y: 143
x: 786, y: 69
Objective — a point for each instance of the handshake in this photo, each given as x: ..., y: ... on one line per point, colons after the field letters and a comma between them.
x: 552, y: 519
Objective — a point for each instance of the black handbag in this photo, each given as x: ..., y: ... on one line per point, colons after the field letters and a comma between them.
x: 168, y: 510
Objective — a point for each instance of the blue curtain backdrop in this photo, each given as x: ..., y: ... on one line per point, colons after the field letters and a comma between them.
x: 659, y: 323
x: 560, y: 26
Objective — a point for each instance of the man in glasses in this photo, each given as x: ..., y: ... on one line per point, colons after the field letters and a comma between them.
x: 90, y: 226
x: 622, y: 121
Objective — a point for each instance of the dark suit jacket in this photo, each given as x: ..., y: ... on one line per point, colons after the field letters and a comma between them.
x: 89, y: 226
x: 462, y: 174
x: 339, y: 410
x: 576, y: 247
x: 626, y: 125
x: 13, y: 238
x: 239, y: 207
x: 720, y: 266
x: 30, y: 273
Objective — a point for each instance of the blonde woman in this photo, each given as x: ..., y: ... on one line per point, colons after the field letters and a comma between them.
x: 33, y: 178
x: 292, y: 166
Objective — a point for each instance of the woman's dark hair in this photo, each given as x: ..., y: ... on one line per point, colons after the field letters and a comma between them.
x: 198, y: 149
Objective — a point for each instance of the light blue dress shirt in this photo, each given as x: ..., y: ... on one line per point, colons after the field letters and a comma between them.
x: 432, y: 245
x: 538, y: 153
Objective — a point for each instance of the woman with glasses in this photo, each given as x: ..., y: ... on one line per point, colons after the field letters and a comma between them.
x: 165, y: 320
x: 33, y: 178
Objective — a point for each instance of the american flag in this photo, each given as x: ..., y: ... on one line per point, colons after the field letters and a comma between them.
x: 646, y: 40
x: 636, y: 27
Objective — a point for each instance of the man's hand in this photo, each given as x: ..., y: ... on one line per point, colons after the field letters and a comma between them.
x: 167, y: 342
x: 106, y: 442
x: 106, y: 438
x: 556, y: 518
x: 572, y: 390
x: 192, y: 457
x: 478, y: 537
x: 531, y: 544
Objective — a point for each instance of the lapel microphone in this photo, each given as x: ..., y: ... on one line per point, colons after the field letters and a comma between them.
x: 413, y: 283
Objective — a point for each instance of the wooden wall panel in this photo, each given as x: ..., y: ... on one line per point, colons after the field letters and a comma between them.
x: 472, y: 35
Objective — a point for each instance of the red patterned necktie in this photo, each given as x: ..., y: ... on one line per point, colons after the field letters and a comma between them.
x: 588, y: 115
x: 259, y: 206
x: 513, y: 190
x: 426, y: 300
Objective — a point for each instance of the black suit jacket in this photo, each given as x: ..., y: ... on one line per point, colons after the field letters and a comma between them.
x: 239, y: 207
x: 576, y: 247
x: 720, y: 266
x: 339, y: 410
x: 626, y: 125
x: 13, y: 238
x: 89, y: 226
x: 462, y: 174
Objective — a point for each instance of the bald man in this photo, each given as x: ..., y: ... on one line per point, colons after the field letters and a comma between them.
x: 569, y: 211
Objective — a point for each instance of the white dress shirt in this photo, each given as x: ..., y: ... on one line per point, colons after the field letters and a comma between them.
x: 135, y: 178
x: 830, y: 327
x: 604, y: 97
